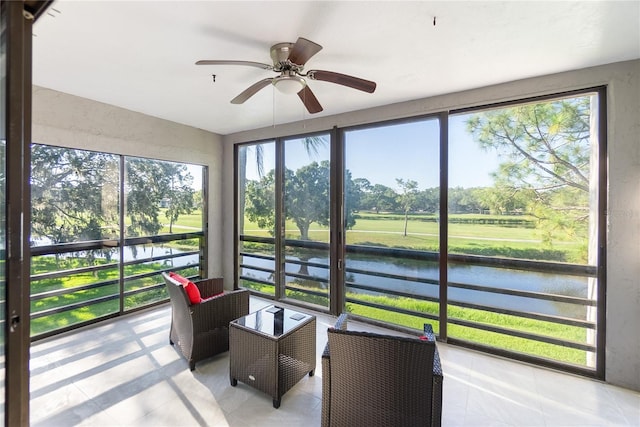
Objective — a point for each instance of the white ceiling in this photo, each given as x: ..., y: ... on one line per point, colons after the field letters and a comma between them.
x: 140, y: 55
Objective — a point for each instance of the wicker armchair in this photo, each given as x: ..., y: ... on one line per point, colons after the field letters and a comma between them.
x: 380, y: 380
x: 202, y: 330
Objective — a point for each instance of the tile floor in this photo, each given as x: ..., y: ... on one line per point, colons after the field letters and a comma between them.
x: 125, y: 373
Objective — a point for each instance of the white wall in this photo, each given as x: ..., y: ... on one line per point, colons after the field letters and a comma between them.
x: 623, y: 240
x: 70, y: 121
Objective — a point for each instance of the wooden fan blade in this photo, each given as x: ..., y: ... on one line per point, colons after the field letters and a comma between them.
x: 250, y: 91
x: 309, y: 100
x: 302, y: 50
x: 226, y: 62
x: 343, y: 79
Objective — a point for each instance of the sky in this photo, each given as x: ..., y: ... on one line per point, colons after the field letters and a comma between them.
x: 196, y: 173
x: 409, y: 151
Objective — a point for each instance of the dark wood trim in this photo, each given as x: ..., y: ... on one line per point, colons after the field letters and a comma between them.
x: 18, y: 28
x: 122, y: 200
x: 236, y: 216
x: 204, y: 240
x: 61, y: 248
x: 337, y: 228
x: 279, y: 220
x: 444, y: 224
x: 603, y: 185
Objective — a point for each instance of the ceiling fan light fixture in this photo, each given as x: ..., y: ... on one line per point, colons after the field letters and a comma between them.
x: 289, y: 60
x: 289, y: 84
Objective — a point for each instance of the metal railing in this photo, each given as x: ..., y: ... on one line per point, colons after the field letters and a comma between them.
x: 356, y: 288
x: 110, y: 285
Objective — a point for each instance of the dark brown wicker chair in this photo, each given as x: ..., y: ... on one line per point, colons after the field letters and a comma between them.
x: 380, y: 380
x: 202, y: 330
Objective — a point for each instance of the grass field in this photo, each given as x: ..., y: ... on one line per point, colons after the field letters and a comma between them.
x: 472, y: 239
x: 490, y: 339
x: 99, y: 287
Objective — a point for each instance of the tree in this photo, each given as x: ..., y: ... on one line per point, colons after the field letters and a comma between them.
x: 458, y: 200
x: 180, y: 195
x: 546, y: 152
x: 502, y: 200
x: 74, y: 194
x: 306, y: 198
x: 407, y: 198
x: 428, y: 200
x: 364, y: 188
x: 353, y: 195
x: 311, y: 144
x: 383, y: 198
x: 546, y: 145
x: 149, y: 182
x: 260, y: 201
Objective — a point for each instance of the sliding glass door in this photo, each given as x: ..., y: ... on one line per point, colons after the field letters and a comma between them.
x: 391, y: 219
x: 486, y: 222
x: 524, y: 226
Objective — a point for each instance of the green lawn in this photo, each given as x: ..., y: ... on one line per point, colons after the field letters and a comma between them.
x: 74, y: 295
x: 186, y: 222
x: 473, y: 239
x: 491, y: 339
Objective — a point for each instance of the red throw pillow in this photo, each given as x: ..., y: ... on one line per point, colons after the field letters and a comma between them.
x: 190, y: 288
x: 193, y: 293
x: 178, y: 278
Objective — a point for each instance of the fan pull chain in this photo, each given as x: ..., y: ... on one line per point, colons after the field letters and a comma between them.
x: 304, y: 102
x: 273, y: 93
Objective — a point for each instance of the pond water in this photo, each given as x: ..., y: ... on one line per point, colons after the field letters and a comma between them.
x: 477, y: 275
x: 141, y: 252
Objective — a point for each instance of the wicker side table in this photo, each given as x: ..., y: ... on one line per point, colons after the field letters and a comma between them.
x: 271, y: 350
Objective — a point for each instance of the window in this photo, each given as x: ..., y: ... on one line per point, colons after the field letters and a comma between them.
x: 484, y: 222
x: 523, y: 228
x: 392, y: 207
x: 95, y: 256
x: 162, y: 199
x: 307, y: 219
x: 256, y: 217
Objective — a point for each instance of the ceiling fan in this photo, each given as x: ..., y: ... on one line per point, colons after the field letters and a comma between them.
x: 289, y: 60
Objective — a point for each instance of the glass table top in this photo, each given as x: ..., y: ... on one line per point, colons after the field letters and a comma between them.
x: 273, y: 320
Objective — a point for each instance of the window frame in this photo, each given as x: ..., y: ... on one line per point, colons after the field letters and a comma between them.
x: 337, y: 240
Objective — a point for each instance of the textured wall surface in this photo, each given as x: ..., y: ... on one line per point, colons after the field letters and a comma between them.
x: 623, y: 130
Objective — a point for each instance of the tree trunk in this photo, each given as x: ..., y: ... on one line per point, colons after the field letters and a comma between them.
x: 406, y: 220
x: 304, y: 231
